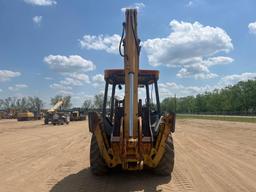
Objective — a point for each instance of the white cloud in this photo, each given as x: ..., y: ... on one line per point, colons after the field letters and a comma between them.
x: 71, y: 81
x: 101, y: 42
x: 199, y: 71
x: 70, y: 67
x: 65, y: 92
x: 41, y: 2
x: 17, y: 87
x: 190, y: 4
x: 235, y: 78
x: 7, y: 75
x: 75, y: 79
x: 193, y: 3
x: 252, y: 27
x: 170, y: 88
x: 48, y: 78
x: 1, y: 90
x: 64, y: 86
x: 191, y: 47
x: 37, y: 20
x: 60, y: 87
x: 79, y: 98
x: 137, y: 6
x: 218, y: 60
x: 98, y: 80
x: 198, y: 67
x: 80, y: 77
x: 69, y: 64
x: 21, y: 85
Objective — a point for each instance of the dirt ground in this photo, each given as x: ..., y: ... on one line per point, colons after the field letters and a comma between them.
x: 210, y: 156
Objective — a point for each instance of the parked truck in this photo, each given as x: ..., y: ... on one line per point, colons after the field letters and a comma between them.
x: 77, y: 115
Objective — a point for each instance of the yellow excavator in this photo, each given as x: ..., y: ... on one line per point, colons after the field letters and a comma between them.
x: 131, y: 133
x: 25, y: 116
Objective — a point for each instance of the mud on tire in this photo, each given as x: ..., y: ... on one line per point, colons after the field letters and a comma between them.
x: 98, y: 165
x: 166, y: 164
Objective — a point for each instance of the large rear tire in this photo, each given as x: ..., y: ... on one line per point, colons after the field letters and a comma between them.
x: 166, y: 164
x: 98, y: 165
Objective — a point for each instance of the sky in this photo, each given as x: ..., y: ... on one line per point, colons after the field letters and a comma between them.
x: 50, y: 47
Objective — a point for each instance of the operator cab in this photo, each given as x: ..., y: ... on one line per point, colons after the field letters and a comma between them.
x: 113, y: 107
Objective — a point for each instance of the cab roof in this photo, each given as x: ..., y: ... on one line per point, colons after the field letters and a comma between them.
x: 116, y: 76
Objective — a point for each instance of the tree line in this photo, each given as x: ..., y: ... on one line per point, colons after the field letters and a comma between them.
x: 35, y: 104
x: 21, y: 104
x: 237, y: 99
x: 95, y: 103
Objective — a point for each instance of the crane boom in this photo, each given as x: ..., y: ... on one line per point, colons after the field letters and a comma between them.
x: 56, y: 106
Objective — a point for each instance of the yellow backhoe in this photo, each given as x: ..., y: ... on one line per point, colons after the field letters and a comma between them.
x: 131, y: 133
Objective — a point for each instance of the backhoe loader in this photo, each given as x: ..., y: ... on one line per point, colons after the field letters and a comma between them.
x: 131, y: 133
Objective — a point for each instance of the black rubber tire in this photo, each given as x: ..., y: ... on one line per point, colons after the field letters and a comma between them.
x: 97, y: 163
x: 166, y: 164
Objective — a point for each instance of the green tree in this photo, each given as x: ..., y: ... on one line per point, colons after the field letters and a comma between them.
x: 98, y: 101
x: 67, y: 101
x: 1, y: 103
x: 35, y: 104
x: 22, y: 104
x: 87, y: 104
x: 9, y: 103
x: 237, y: 98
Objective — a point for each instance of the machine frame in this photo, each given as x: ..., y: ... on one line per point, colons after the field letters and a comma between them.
x: 129, y: 134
